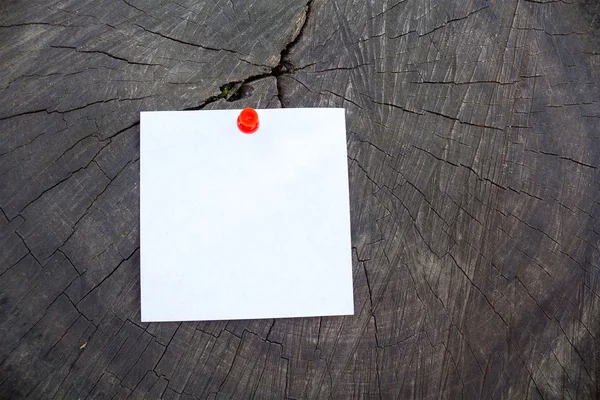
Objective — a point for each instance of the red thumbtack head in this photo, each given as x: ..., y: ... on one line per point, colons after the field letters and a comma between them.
x: 248, y: 120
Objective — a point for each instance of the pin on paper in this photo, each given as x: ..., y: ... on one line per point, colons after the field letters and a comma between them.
x: 235, y: 245
x: 248, y: 120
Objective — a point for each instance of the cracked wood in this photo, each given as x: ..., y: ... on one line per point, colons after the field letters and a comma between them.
x: 473, y: 153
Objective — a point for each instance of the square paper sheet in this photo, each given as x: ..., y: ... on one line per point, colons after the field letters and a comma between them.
x: 237, y: 226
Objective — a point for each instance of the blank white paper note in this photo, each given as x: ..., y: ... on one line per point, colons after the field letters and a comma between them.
x: 242, y: 226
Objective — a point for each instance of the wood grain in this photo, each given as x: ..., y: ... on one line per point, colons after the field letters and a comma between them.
x: 474, y: 178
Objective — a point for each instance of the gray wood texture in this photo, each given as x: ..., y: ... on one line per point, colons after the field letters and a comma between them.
x: 474, y: 158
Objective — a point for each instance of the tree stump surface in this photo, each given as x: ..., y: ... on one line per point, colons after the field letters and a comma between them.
x: 473, y: 151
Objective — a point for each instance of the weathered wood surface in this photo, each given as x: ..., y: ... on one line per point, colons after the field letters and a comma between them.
x: 474, y: 162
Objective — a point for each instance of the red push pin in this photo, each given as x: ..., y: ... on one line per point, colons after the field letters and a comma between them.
x: 248, y: 120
